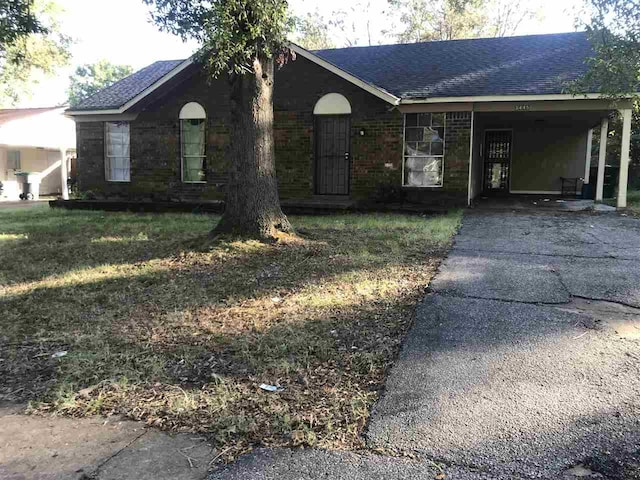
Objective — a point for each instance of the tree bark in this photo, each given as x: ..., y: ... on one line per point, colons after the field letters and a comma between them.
x: 252, y: 206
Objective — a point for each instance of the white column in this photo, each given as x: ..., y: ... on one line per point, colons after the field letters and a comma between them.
x: 624, y: 157
x: 602, y: 156
x: 470, y: 186
x: 587, y: 165
x: 63, y: 174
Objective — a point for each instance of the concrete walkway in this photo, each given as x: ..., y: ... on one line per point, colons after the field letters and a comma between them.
x: 524, y: 362
x: 54, y: 448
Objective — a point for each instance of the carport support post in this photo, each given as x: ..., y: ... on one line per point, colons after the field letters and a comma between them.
x: 64, y: 174
x: 602, y: 156
x: 624, y: 157
x: 587, y: 166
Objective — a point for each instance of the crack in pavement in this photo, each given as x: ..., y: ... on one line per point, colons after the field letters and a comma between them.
x: 94, y: 474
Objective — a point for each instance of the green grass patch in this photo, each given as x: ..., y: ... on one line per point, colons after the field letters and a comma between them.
x: 633, y: 202
x: 161, y: 329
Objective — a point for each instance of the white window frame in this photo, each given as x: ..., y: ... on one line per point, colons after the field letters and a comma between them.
x: 17, y: 161
x: 193, y: 111
x: 444, y: 150
x: 107, y: 158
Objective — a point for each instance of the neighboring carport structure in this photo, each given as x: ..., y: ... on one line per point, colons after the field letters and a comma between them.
x: 38, y: 141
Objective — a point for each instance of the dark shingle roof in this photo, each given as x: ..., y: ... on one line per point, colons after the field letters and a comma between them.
x: 116, y: 95
x: 526, y: 65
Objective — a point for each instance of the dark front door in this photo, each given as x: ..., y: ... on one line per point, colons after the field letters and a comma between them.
x: 333, y: 151
x: 497, y: 160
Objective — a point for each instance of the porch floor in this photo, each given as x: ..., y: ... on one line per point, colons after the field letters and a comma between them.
x: 539, y: 202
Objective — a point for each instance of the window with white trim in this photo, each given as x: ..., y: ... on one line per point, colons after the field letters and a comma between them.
x: 117, y: 161
x: 13, y: 160
x: 193, y: 121
x: 423, y: 149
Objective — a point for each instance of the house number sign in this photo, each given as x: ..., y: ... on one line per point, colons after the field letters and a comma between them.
x: 523, y: 107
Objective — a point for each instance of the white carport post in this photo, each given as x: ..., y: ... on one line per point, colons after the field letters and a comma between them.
x: 602, y: 156
x: 64, y: 173
x: 624, y: 157
x: 587, y: 165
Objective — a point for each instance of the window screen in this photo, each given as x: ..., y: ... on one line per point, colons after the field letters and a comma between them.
x: 117, y: 154
x: 13, y: 160
x: 193, y: 150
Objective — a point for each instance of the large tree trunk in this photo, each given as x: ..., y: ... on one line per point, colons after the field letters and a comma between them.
x: 252, y: 205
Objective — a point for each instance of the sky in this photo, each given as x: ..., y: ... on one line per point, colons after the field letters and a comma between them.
x: 120, y: 31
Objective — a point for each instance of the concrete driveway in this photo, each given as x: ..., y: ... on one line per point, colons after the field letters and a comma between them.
x: 524, y: 361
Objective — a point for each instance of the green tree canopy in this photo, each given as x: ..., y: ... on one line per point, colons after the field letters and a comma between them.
x: 17, y: 20
x: 238, y: 31
x: 29, y: 57
x: 241, y: 39
x: 614, y: 30
x: 92, y: 77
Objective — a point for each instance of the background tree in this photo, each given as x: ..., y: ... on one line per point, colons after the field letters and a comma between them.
x: 242, y: 40
x: 92, y: 77
x: 613, y: 27
x: 29, y: 57
x: 614, y: 31
x: 348, y: 23
x: 312, y: 32
x: 17, y: 20
x: 423, y: 20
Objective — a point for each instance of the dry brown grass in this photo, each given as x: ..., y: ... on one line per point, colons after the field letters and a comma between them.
x: 160, y: 329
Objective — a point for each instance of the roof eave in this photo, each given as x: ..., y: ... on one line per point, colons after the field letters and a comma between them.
x: 507, y: 98
x: 132, y: 102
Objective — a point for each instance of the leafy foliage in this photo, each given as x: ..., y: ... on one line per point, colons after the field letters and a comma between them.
x: 614, y: 30
x: 30, y: 56
x: 237, y: 31
x: 614, y: 70
x: 17, y: 20
x: 90, y: 78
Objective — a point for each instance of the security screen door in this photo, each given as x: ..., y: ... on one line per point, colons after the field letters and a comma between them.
x: 333, y: 152
x: 497, y: 160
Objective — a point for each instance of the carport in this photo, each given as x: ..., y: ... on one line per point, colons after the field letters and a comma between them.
x: 543, y: 147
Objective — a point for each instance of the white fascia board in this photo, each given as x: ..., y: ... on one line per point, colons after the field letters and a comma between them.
x: 147, y: 91
x: 507, y: 98
x: 378, y: 92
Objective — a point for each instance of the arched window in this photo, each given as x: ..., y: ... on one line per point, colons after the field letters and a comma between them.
x: 332, y: 104
x: 193, y: 121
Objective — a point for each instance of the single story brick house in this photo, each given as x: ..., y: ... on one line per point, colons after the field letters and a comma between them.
x: 435, y: 122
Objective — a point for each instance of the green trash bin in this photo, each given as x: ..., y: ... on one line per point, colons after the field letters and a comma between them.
x: 611, y: 173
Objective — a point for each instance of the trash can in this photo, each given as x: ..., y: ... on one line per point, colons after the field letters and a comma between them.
x: 587, y: 191
x: 30, y: 185
x: 611, y: 173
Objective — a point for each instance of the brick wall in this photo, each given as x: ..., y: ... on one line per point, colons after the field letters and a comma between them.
x: 375, y: 157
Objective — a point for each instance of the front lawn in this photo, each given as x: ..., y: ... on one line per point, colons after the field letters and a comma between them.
x: 159, y: 328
